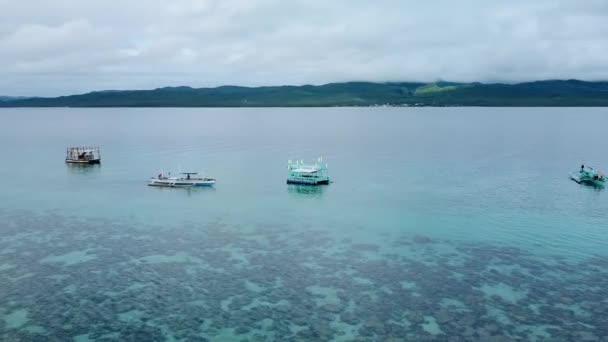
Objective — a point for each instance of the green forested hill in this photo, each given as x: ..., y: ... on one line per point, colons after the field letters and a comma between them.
x: 11, y: 98
x: 540, y: 93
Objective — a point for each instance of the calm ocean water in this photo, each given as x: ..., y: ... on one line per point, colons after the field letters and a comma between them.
x: 441, y: 224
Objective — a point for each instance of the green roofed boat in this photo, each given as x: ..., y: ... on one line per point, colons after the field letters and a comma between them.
x: 589, y: 176
x: 311, y: 174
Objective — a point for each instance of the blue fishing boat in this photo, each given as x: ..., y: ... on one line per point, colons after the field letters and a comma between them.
x: 589, y: 176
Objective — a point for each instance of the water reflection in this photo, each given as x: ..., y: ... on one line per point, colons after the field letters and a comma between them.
x: 191, y: 190
x: 306, y: 190
x: 591, y: 185
x: 80, y: 169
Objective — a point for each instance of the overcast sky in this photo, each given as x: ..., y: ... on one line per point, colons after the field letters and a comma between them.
x: 62, y: 47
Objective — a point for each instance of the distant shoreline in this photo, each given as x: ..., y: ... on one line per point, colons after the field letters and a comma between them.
x: 295, y: 107
x: 554, y: 93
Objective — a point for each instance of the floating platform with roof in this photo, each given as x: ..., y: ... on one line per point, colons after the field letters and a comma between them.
x: 307, y: 174
x: 83, y: 155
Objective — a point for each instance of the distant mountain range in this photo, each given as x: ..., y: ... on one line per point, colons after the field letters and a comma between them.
x: 11, y: 98
x: 539, y: 93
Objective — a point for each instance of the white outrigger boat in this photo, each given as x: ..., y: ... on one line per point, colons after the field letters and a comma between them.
x: 300, y: 173
x: 175, y: 182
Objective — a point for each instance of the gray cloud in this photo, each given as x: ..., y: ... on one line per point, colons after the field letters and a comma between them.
x: 72, y: 46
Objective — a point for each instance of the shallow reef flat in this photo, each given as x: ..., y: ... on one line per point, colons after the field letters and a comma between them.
x: 64, y: 279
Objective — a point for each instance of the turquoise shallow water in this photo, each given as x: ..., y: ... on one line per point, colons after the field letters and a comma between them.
x: 442, y: 223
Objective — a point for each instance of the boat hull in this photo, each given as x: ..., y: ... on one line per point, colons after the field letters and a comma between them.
x: 587, y: 181
x: 178, y: 183
x: 83, y: 161
x: 308, y: 182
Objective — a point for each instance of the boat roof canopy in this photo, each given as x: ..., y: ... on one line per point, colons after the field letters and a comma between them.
x: 306, y: 170
x: 189, y: 173
x: 83, y: 149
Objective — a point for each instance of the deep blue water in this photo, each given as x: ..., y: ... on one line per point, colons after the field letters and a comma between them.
x: 441, y: 223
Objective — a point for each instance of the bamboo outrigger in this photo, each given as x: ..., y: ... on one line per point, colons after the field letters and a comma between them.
x: 83, y: 155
